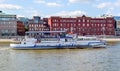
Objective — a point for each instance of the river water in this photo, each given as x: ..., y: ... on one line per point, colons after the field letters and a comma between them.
x: 100, y: 59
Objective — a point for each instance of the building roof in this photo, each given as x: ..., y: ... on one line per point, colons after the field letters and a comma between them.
x: 4, y: 14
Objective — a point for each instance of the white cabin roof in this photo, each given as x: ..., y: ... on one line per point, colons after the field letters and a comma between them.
x: 45, y: 31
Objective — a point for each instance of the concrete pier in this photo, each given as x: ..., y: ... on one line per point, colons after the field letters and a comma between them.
x: 7, y: 41
x: 111, y: 39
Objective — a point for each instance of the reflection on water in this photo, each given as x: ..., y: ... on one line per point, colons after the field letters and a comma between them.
x: 102, y: 59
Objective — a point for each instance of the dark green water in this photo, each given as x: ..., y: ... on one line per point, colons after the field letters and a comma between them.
x: 101, y: 59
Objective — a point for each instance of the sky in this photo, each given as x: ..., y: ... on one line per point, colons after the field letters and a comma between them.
x: 47, y: 8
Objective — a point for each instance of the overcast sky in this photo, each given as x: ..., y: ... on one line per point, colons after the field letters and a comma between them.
x: 46, y: 8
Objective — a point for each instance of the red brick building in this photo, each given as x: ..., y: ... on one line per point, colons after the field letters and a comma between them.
x: 20, y: 28
x: 37, y: 24
x: 83, y: 25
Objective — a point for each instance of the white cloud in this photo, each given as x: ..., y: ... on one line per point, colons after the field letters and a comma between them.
x: 49, y: 4
x: 104, y: 5
x: 69, y: 13
x: 117, y: 3
x: 2, y: 1
x: 109, y: 4
x: 34, y: 13
x: 118, y: 14
x: 53, y: 4
x: 81, y: 1
x: 109, y: 11
x: 20, y: 15
x: 39, y: 1
x: 10, y: 6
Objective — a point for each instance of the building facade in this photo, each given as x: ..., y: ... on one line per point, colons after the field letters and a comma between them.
x: 83, y: 25
x: 37, y: 24
x: 20, y: 28
x: 24, y: 20
x: 117, y: 25
x: 8, y: 24
x: 117, y: 22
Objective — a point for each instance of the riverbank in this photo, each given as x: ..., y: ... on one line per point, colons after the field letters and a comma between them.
x: 8, y: 41
x: 111, y: 39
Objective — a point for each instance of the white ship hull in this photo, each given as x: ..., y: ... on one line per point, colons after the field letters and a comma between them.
x: 57, y: 45
x: 31, y: 43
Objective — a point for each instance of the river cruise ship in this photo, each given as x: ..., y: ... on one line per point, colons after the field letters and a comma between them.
x: 56, y: 39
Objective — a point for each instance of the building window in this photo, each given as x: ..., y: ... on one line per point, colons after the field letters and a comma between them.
x: 79, y: 20
x: 30, y: 29
x: 53, y: 20
x: 83, y: 24
x: 68, y: 25
x: 109, y: 25
x: 92, y: 24
x: 37, y: 25
x: 52, y: 24
x: 87, y: 20
x: 98, y: 25
x: 64, y: 24
x: 71, y: 24
x: 87, y: 25
x: 109, y: 21
x: 61, y: 24
x: 83, y: 20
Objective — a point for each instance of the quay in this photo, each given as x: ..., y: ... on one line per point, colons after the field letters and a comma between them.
x: 111, y: 39
x: 7, y: 41
x: 10, y: 39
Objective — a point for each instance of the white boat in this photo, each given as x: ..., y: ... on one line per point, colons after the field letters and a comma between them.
x: 61, y: 42
x: 45, y: 43
x: 87, y: 41
x: 50, y: 43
